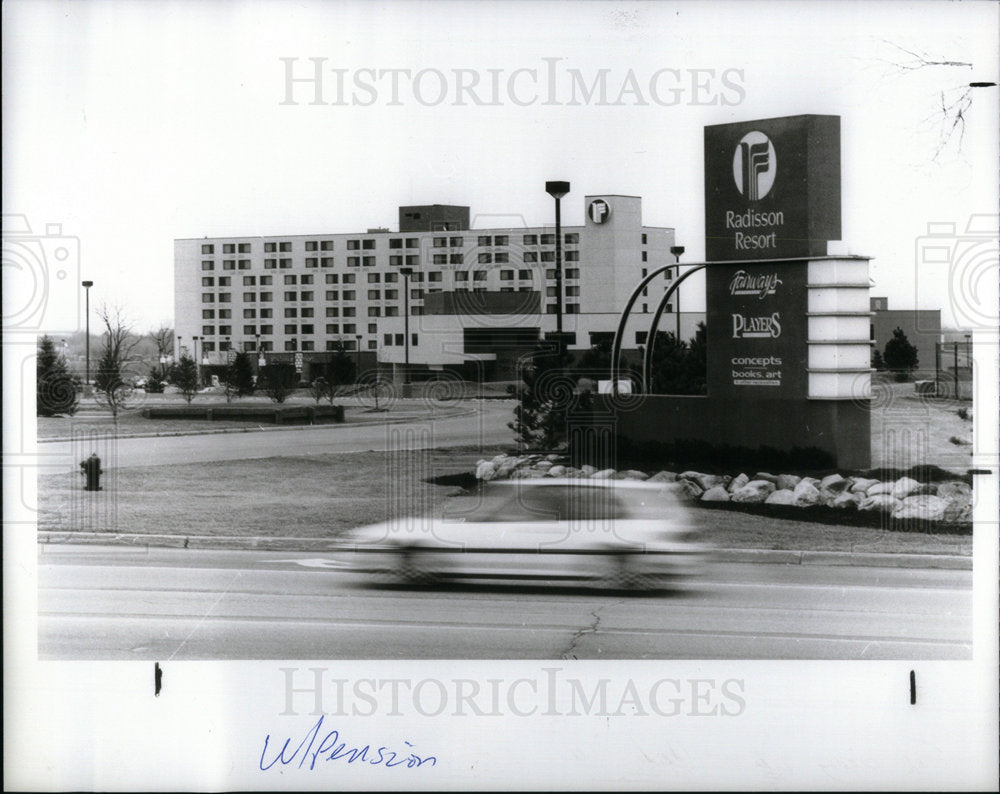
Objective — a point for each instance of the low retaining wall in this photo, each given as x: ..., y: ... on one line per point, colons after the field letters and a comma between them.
x: 277, y: 415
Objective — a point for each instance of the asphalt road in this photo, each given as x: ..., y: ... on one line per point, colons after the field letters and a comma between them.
x: 483, y: 422
x: 110, y: 603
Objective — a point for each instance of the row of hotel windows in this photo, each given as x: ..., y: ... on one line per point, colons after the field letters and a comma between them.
x: 571, y: 238
x: 500, y: 257
x: 376, y: 278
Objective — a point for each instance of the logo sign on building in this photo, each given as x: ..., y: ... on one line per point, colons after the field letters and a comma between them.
x: 757, y: 330
x: 772, y: 188
x: 599, y: 211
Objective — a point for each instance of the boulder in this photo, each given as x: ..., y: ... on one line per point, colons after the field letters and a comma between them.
x: 924, y: 507
x: 811, y: 480
x: 880, y: 488
x: 782, y: 496
x: 634, y: 474
x: 880, y: 502
x: 925, y: 489
x: 738, y: 483
x: 953, y: 489
x: 716, y: 494
x: 834, y: 483
x: 862, y: 484
x: 904, y: 486
x: 787, y: 482
x: 498, y: 460
x: 754, y: 491
x: 485, y: 471
x: 846, y: 501
x: 603, y: 474
x: 557, y: 471
x: 555, y: 457
x: 587, y: 469
x: 663, y: 476
x: 806, y: 494
x: 763, y: 475
x: 692, y: 489
x: 543, y: 464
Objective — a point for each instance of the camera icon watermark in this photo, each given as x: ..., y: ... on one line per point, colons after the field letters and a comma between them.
x: 969, y: 263
x: 41, y: 278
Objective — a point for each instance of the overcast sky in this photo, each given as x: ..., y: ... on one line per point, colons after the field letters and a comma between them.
x: 131, y: 124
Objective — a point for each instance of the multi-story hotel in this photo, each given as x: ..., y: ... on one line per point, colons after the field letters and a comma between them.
x: 473, y: 300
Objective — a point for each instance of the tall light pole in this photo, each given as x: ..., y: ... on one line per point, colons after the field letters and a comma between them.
x: 677, y: 250
x: 407, y: 272
x: 357, y: 358
x: 197, y: 361
x: 86, y: 286
x: 557, y: 190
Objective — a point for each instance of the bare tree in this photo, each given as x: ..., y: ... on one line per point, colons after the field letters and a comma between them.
x: 117, y: 355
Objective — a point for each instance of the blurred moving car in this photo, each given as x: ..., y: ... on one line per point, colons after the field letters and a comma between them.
x: 610, y: 533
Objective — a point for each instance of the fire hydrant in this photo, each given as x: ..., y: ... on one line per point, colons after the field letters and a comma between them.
x: 92, y: 471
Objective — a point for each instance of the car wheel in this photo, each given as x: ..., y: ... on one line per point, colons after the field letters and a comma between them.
x: 622, y: 574
x: 412, y: 568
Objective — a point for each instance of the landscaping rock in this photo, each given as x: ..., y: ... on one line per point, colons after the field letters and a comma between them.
x: 904, y: 486
x: 806, y: 494
x: 498, y: 460
x: 846, y: 501
x: 924, y: 507
x: 663, y: 476
x: 543, y: 464
x: 787, y: 482
x: 692, y: 489
x: 485, y: 471
x: 634, y: 474
x: 926, y: 489
x: 956, y: 488
x: 604, y: 474
x: 554, y: 457
x: 882, y: 502
x: 782, y: 496
x: 587, y: 469
x: 811, y: 480
x: 754, y: 491
x: 862, y: 484
x: 716, y: 494
x: 880, y: 488
x: 834, y: 483
x: 763, y: 475
x: 557, y: 471
x: 738, y: 483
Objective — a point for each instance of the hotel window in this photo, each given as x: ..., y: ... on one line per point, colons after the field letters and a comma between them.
x: 374, y: 295
x: 290, y: 344
x: 270, y: 248
x: 392, y: 294
x: 307, y: 278
x: 326, y: 261
x: 644, y: 259
x: 225, y: 314
x: 284, y: 246
x: 266, y: 314
x: 350, y: 328
x: 548, y: 256
x: 354, y: 261
x: 395, y: 261
x: 207, y: 298
x: 208, y: 281
x: 311, y: 245
x: 479, y: 275
x: 308, y: 345
x: 506, y: 275
x: 440, y: 242
x: 285, y: 264
x: 368, y: 261
x: 326, y: 245
x: 249, y: 281
x: 392, y: 311
x: 387, y: 340
x: 349, y: 294
x: 244, y: 248
x: 290, y: 279
x: 416, y: 294
x: 373, y: 344
x: 412, y: 242
x: 308, y: 311
x: 350, y: 311
x: 506, y: 289
x: 291, y: 312
x: 572, y: 308
x: 264, y: 331
x: 574, y: 256
x: 550, y: 274
x: 501, y: 239
x: 550, y: 308
x: 548, y: 239
x: 270, y: 264
x: 332, y: 311
x: 391, y: 278
x: 229, y: 264
x: 244, y: 264
x: 461, y: 275
x: 306, y: 296
x: 644, y: 239
x: 208, y: 347
x: 291, y: 328
x: 208, y: 314
x: 290, y: 296
x: 373, y: 328
x: 457, y: 242
x: 485, y: 259
x: 353, y: 245
x: 417, y: 278
x: 440, y: 259
x: 307, y: 329
x: 530, y: 256
x: 398, y: 341
x: 249, y: 297
x: 249, y: 314
x: 332, y: 328
x: 572, y: 292
x: 413, y: 259
x: 225, y: 281
x: 456, y: 259
x: 395, y: 242
x: 266, y: 297
x: 531, y: 239
x: 368, y: 245
x: 332, y: 278
x: 250, y: 330
x: 333, y: 295
x: 524, y: 274
x: 228, y: 248
x: 484, y: 239
x: 572, y: 239
x: 249, y: 347
x: 502, y: 257
x: 374, y: 311
x: 312, y: 261
x: 573, y: 272
x: 266, y: 281
x: 207, y: 265
x: 550, y: 292
x: 435, y: 276
x: 208, y: 249
x: 374, y: 278
x: 415, y: 310
x: 413, y: 340
x: 208, y: 330
x: 349, y: 278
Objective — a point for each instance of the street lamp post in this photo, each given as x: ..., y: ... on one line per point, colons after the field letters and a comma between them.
x: 357, y: 358
x: 677, y: 250
x: 557, y: 190
x: 197, y: 361
x: 407, y: 272
x: 86, y: 286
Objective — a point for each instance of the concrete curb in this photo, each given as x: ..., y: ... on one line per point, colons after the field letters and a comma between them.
x: 261, y: 429
x: 762, y: 556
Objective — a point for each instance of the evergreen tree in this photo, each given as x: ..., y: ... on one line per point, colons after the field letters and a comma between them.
x: 185, y: 377
x: 543, y: 398
x: 340, y: 371
x: 900, y: 356
x: 243, y: 374
x: 55, y: 388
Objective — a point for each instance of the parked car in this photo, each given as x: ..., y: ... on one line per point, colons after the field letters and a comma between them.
x: 609, y: 533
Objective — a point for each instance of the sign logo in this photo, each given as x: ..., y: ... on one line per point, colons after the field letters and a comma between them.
x: 754, y: 165
x: 599, y: 211
x: 759, y: 327
x: 761, y: 285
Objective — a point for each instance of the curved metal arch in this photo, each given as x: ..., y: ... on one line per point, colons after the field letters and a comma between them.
x: 616, y: 348
x: 647, y: 364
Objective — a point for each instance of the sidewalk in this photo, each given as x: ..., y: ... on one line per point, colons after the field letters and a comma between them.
x: 762, y: 556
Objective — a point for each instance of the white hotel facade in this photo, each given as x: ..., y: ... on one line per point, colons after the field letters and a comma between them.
x: 475, y: 300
